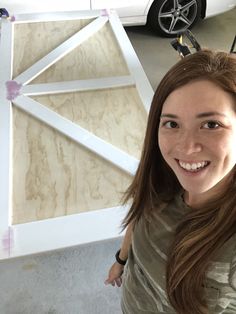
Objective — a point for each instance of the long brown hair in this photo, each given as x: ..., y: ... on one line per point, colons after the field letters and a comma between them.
x: 203, y: 231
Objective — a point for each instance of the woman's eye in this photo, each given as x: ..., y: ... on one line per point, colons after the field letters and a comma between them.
x: 211, y: 125
x: 170, y: 124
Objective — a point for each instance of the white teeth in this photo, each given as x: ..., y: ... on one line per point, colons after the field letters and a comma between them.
x: 193, y: 166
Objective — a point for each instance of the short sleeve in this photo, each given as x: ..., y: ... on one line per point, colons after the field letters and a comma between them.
x: 232, y: 272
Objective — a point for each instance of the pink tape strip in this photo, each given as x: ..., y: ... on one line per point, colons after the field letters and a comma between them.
x: 13, y: 89
x: 105, y: 12
x: 7, y: 241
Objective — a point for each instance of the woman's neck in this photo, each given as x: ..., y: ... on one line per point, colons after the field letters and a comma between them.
x: 197, y: 200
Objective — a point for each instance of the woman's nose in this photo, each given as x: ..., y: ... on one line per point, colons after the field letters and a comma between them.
x: 189, y: 143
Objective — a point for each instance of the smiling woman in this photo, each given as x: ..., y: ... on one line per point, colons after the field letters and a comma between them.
x: 180, y: 243
x: 198, y: 141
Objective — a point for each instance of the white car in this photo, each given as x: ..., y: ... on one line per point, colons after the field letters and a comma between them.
x: 166, y: 17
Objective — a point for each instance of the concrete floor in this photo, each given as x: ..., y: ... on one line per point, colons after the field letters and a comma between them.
x: 70, y: 281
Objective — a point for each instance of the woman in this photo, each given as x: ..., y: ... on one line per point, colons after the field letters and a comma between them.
x: 180, y: 243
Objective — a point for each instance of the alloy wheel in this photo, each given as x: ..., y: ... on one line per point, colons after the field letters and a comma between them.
x: 177, y: 15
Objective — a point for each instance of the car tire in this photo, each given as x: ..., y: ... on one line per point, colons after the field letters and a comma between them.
x: 170, y: 17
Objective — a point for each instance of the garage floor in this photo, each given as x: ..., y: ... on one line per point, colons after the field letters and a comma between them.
x: 70, y: 281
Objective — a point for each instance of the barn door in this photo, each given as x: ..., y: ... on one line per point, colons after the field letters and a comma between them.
x: 73, y: 109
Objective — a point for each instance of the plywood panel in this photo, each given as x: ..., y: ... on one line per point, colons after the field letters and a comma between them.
x: 53, y: 176
x: 32, y: 41
x: 98, y: 56
x: 116, y: 115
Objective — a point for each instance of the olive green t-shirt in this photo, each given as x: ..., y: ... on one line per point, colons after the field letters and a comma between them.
x: 143, y: 288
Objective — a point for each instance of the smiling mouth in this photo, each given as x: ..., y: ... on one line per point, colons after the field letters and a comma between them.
x: 193, y: 166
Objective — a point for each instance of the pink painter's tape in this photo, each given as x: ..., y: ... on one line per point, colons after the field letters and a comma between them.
x: 11, y: 18
x: 13, y: 89
x: 7, y: 241
x: 105, y: 12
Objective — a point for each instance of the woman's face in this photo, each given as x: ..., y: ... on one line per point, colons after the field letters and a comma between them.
x: 197, y: 136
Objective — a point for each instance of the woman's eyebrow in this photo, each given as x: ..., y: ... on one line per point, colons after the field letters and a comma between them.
x: 210, y: 113
x: 169, y: 115
x: 200, y: 115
